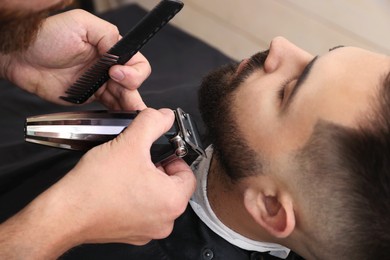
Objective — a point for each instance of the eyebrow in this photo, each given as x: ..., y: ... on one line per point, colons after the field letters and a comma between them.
x: 336, y: 47
x: 302, y: 78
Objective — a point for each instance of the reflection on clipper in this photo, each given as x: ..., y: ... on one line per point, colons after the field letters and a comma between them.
x: 86, y: 129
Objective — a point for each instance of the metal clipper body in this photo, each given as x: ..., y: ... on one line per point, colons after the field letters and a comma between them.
x: 84, y: 130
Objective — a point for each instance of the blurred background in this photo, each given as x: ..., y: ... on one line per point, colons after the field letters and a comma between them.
x: 241, y: 28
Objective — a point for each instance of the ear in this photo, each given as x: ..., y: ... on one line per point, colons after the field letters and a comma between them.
x: 271, y: 209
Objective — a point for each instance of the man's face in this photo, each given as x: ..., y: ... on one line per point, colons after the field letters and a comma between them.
x: 277, y: 106
x: 20, y: 20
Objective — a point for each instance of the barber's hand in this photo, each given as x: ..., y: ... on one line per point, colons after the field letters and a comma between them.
x: 120, y: 195
x: 114, y: 194
x: 68, y: 44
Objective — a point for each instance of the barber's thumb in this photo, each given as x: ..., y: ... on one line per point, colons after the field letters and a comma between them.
x: 149, y: 125
x: 183, y: 176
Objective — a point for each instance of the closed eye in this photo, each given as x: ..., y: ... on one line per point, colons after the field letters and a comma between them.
x: 301, y: 79
x: 282, y: 92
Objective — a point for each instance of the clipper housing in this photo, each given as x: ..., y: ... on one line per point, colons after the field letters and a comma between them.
x: 87, y: 129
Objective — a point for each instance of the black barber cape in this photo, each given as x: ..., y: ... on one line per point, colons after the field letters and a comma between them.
x: 179, y: 61
x: 190, y: 239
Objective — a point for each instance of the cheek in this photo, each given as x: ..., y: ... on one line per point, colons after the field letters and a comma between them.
x: 275, y: 134
x: 264, y: 133
x: 255, y: 114
x: 259, y: 120
x: 256, y: 103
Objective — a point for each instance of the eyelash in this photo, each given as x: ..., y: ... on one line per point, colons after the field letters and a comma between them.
x: 281, y: 91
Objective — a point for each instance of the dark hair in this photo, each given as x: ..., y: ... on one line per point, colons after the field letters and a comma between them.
x: 346, y: 174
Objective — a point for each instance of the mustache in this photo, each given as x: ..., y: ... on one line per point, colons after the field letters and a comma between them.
x: 254, y: 63
x: 226, y: 79
x: 257, y: 60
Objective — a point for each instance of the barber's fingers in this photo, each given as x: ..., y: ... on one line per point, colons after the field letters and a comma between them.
x: 131, y: 100
x: 183, y: 176
x: 133, y: 73
x: 107, y: 98
x: 116, y: 97
x: 147, y: 127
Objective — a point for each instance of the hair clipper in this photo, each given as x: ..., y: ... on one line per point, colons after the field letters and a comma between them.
x: 84, y: 130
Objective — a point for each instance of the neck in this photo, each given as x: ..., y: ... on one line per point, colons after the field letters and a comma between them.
x: 226, y: 201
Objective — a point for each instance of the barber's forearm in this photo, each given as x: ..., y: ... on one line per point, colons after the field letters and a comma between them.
x: 40, y: 231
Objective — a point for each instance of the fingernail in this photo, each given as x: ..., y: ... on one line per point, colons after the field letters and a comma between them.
x: 117, y: 75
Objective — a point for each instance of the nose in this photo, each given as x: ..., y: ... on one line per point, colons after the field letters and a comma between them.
x: 285, y: 55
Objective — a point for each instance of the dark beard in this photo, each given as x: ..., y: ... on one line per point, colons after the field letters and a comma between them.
x: 19, y: 28
x: 216, y: 107
x: 219, y: 85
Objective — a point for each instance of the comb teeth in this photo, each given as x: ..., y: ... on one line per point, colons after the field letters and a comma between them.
x: 91, y: 80
x: 122, y: 51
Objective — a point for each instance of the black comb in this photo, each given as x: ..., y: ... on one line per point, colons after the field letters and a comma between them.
x: 122, y: 51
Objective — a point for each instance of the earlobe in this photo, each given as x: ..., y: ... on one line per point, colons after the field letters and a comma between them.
x: 273, y: 213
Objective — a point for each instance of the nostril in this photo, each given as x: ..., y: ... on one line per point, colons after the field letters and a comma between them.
x: 276, y: 50
x: 272, y: 61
